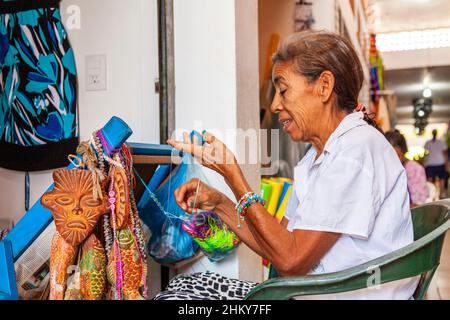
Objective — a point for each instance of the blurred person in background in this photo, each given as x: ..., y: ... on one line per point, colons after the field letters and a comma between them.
x: 415, y: 172
x: 436, y: 162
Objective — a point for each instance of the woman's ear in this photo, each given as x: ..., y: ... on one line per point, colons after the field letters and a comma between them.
x: 325, y: 85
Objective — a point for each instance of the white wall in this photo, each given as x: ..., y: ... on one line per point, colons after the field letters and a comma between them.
x: 324, y: 14
x: 205, y: 81
x: 126, y: 31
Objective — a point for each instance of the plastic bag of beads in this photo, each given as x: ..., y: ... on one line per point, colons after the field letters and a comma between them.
x: 213, y: 236
x: 159, y: 211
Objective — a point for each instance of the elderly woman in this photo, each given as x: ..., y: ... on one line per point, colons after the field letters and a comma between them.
x: 350, y: 202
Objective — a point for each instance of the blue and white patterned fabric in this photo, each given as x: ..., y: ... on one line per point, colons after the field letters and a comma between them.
x: 38, y: 87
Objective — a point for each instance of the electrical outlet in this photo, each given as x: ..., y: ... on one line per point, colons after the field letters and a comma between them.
x: 96, y: 73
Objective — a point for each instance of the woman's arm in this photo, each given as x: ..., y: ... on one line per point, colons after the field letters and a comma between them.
x: 228, y: 214
x: 291, y: 253
x: 211, y: 199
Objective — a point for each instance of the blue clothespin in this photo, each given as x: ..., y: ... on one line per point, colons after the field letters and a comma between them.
x: 193, y: 133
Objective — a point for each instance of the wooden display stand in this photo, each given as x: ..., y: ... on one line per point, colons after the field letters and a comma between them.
x: 146, y: 158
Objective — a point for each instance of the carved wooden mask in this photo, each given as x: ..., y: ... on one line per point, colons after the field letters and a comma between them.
x: 73, y: 206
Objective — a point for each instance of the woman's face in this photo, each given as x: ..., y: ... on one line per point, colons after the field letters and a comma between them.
x: 296, y: 102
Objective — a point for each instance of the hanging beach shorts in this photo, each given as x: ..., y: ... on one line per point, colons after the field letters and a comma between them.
x: 38, y: 87
x: 205, y: 286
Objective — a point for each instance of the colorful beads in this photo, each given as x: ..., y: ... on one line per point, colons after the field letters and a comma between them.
x: 212, y: 235
x: 246, y: 202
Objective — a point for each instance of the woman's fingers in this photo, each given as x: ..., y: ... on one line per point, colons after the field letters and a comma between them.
x: 214, y: 154
x: 186, y: 138
x: 184, y: 191
x: 196, y: 195
x: 190, y: 148
x: 206, y: 199
x: 209, y: 138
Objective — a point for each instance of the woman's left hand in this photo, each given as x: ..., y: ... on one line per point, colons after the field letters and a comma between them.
x: 214, y: 154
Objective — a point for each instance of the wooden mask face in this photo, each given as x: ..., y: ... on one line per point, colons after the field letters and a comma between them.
x: 73, y: 206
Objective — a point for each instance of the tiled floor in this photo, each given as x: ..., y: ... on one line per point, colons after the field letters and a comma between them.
x: 440, y: 286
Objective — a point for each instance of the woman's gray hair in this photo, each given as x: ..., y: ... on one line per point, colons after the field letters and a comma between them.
x: 314, y: 52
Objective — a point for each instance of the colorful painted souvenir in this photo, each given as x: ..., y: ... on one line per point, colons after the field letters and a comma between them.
x: 72, y: 203
x: 93, y: 269
x: 63, y: 255
x: 134, y: 270
x: 122, y: 204
x: 73, y: 287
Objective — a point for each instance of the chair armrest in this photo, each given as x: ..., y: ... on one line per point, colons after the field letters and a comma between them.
x: 284, y: 288
x: 391, y: 267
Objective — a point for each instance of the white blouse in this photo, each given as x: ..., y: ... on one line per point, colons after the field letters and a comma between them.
x: 358, y: 188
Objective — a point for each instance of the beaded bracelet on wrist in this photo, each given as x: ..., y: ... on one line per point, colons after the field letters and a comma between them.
x: 245, y: 203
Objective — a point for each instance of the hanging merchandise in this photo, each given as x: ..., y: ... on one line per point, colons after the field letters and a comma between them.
x: 175, y: 234
x: 63, y: 255
x: 75, y: 210
x: 169, y: 242
x: 131, y: 268
x: 73, y: 291
x: 38, y: 87
x: 376, y: 74
x: 92, y: 269
x: 213, y: 236
x: 97, y: 224
x: 303, y: 15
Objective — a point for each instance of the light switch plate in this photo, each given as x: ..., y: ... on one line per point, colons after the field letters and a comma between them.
x: 96, y: 72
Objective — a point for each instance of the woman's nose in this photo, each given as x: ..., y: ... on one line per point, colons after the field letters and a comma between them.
x: 276, y: 106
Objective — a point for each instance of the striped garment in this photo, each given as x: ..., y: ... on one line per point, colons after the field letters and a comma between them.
x: 38, y: 87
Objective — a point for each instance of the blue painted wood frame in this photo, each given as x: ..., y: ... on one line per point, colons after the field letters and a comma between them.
x: 8, y: 289
x: 148, y: 149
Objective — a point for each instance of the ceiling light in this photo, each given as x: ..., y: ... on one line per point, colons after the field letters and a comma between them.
x: 413, y: 40
x: 427, y: 93
x: 421, y: 113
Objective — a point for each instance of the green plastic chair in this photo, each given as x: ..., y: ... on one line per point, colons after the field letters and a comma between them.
x: 422, y: 257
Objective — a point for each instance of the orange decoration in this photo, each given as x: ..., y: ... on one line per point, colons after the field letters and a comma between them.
x: 62, y: 257
x: 122, y: 205
x: 75, y: 210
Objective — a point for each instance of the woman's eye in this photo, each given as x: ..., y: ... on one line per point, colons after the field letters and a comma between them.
x: 282, y: 92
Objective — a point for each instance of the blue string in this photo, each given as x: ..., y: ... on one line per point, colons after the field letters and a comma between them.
x: 155, y: 199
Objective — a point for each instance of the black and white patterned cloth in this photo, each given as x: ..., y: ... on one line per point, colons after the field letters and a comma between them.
x: 205, y: 286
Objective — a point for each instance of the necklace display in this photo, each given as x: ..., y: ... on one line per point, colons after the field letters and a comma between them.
x: 97, y: 219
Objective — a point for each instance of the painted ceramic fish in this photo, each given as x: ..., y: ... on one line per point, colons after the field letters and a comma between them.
x: 133, y: 267
x: 62, y: 257
x: 93, y: 269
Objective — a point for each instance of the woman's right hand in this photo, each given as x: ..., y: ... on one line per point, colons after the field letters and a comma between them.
x: 213, y: 154
x: 197, y: 193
